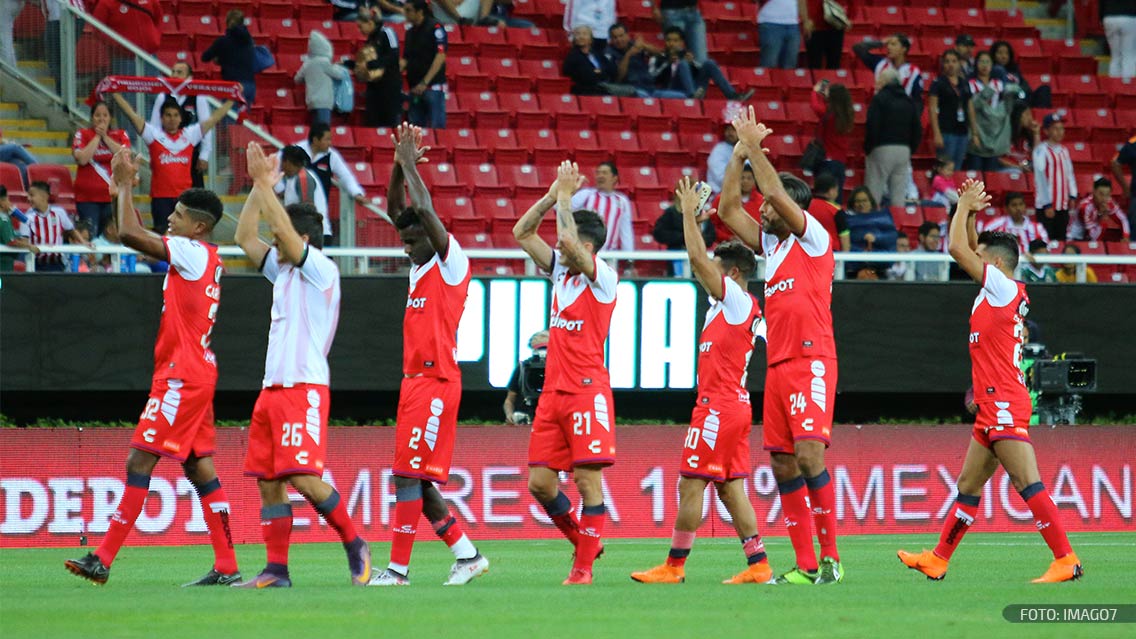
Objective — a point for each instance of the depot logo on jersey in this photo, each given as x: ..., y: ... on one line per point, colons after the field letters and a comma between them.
x: 568, y: 325
x: 779, y: 287
x: 416, y: 302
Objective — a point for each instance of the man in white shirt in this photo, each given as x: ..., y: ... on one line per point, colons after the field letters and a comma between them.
x: 613, y: 207
x: 327, y: 162
x: 301, y: 184
x: 195, y: 109
x: 597, y: 14
x: 1055, y: 183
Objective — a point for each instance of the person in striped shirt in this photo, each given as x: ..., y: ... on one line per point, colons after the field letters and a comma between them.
x: 614, y: 207
x: 896, y: 47
x: 48, y: 225
x: 1015, y: 222
x: 1055, y: 184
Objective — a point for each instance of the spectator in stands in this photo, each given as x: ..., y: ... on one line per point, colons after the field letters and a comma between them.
x: 388, y: 11
x: 898, y: 270
x: 233, y: 52
x: 139, y: 21
x: 9, y: 11
x: 320, y: 74
x: 1067, y: 274
x: 1015, y: 221
x: 943, y: 184
x: 612, y: 206
x: 739, y: 194
x: 424, y: 58
x: 824, y: 43
x: 327, y: 162
x: 678, y: 71
x: 860, y: 201
x: 720, y: 154
x: 833, y: 104
x: 192, y: 111
x: 1030, y: 271
x: 48, y: 225
x: 1055, y: 184
x: 1006, y: 67
x: 15, y: 153
x: 948, y: 100
x: 632, y: 62
x: 589, y: 70
x: 500, y: 13
x: 1119, y: 19
x: 668, y: 232
x: 990, y: 109
x: 11, y: 218
x: 376, y: 63
x: 685, y: 15
x: 895, y: 58
x: 825, y: 207
x: 347, y: 10
x: 85, y: 262
x: 171, y: 148
x: 930, y: 241
x: 597, y: 15
x: 1126, y: 156
x: 964, y: 46
x: 779, y: 33
x: 1098, y: 217
x: 93, y: 149
x: 463, y: 12
x: 893, y: 134
x: 871, y: 232
x: 1024, y: 139
x: 302, y: 184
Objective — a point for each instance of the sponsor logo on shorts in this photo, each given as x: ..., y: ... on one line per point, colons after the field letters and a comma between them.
x: 171, y: 446
x: 149, y: 434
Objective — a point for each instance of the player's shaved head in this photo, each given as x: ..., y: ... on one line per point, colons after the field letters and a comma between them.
x: 999, y: 244
x: 202, y: 205
x: 735, y: 254
x: 590, y: 228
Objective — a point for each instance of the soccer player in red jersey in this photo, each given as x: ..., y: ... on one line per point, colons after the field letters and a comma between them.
x: 177, y: 422
x: 574, y: 426
x: 717, y: 443
x: 1001, y: 429
x: 431, y: 383
x: 800, y: 386
x: 288, y: 432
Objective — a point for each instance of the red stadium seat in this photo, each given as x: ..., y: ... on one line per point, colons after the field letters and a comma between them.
x: 56, y: 175
x: 270, y: 9
x: 12, y: 179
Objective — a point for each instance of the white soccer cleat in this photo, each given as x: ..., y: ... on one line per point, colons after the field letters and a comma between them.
x: 464, y: 570
x: 387, y: 578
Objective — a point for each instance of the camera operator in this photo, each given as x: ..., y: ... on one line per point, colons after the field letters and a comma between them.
x: 527, y: 382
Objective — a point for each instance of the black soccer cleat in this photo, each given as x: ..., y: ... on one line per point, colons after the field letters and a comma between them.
x: 90, y: 568
x: 214, y: 578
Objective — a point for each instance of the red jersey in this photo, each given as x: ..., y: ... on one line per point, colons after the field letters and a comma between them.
x: 1092, y: 223
x: 996, y: 328
x: 170, y: 159
x: 726, y: 344
x: 434, y: 308
x: 190, y: 295
x: 825, y: 212
x: 798, y: 294
x: 92, y: 180
x: 753, y: 207
x: 578, y: 326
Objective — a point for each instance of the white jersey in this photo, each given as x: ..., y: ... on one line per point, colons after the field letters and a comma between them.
x: 305, y: 312
x: 615, y: 210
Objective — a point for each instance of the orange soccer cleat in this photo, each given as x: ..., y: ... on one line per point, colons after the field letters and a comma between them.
x: 755, y: 574
x: 579, y: 577
x: 926, y: 562
x: 1068, y: 568
x: 663, y: 574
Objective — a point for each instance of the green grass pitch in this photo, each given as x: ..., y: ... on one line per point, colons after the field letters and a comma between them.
x: 522, y: 595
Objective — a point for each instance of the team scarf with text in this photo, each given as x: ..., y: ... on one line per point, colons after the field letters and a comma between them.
x: 220, y: 89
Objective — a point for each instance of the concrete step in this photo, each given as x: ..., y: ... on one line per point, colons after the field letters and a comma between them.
x: 12, y: 125
x: 43, y: 139
x: 9, y: 110
x: 52, y: 155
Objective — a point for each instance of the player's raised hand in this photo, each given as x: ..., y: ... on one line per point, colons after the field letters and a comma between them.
x: 568, y: 178
x: 750, y: 131
x: 406, y: 140
x: 262, y: 168
x: 973, y: 197
x: 689, y: 196
x: 123, y: 168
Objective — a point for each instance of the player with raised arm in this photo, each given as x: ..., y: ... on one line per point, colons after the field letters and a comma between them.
x: 177, y: 422
x: 288, y: 432
x: 573, y: 429
x: 717, y: 443
x: 426, y: 425
x: 1001, y: 429
x: 800, y: 386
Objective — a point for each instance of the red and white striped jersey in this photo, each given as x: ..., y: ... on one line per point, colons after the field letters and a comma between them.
x: 617, y: 213
x: 995, y: 85
x: 434, y: 307
x: 910, y: 76
x: 1054, y: 182
x: 732, y: 325
x: 1026, y: 232
x: 47, y: 228
x: 305, y: 313
x: 191, y: 293
x: 578, y: 326
x: 997, y: 327
x: 798, y: 294
x: 1088, y: 223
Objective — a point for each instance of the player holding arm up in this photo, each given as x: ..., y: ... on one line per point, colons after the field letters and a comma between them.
x: 426, y: 425
x: 717, y: 443
x: 800, y: 387
x: 1001, y: 428
x: 288, y: 432
x: 177, y: 422
x: 573, y: 429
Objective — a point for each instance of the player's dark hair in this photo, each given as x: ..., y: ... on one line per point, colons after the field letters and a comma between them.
x: 171, y: 103
x: 317, y: 131
x: 295, y: 154
x: 1004, y: 243
x: 203, y: 205
x: 1013, y: 195
x: 41, y: 185
x: 590, y: 228
x: 797, y: 189
x: 1102, y: 183
x: 1036, y: 245
x: 824, y: 182
x: 307, y: 221
x: 673, y: 29
x: 408, y: 218
x: 734, y: 253
x: 926, y: 228
x: 611, y: 165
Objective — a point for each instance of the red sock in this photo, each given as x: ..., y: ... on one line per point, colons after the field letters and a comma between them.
x: 215, y: 506
x: 591, y: 530
x: 822, y: 496
x: 276, y: 529
x: 448, y: 530
x: 956, y: 525
x: 335, y: 512
x: 1047, y: 520
x: 133, y: 498
x: 681, y: 543
x: 406, y: 516
x: 797, y: 520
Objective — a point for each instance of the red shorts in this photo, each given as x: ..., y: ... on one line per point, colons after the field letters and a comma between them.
x: 1002, y: 420
x: 573, y: 429
x: 288, y: 433
x: 177, y: 420
x: 426, y: 428
x: 800, y: 395
x: 717, y: 443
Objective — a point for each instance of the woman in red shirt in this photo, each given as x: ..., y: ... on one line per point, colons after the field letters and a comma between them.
x: 93, y: 149
x: 833, y: 104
